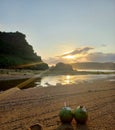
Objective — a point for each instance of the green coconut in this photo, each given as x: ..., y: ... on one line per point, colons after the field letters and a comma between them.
x: 66, y: 115
x: 81, y: 115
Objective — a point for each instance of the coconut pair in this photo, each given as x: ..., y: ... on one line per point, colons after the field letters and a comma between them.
x: 80, y: 114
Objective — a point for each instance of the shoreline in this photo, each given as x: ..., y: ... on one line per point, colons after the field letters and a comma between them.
x: 27, y: 79
x: 10, y: 74
x: 24, y: 108
x: 14, y: 79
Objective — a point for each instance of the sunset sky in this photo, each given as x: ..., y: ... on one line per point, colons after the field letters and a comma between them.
x: 63, y: 30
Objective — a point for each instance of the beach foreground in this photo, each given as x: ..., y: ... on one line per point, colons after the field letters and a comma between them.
x: 22, y: 108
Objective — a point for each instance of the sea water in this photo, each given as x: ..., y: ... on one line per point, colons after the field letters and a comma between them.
x: 48, y: 81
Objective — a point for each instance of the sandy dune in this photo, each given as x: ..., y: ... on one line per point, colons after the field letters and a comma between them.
x: 23, y: 108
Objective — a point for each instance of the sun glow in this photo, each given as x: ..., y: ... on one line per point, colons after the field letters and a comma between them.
x: 67, y: 80
x: 69, y: 57
x: 68, y: 77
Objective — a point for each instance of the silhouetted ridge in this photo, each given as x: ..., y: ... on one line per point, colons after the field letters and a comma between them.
x: 94, y: 65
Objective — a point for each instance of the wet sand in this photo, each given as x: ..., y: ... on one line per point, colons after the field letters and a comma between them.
x: 23, y: 108
x: 8, y: 74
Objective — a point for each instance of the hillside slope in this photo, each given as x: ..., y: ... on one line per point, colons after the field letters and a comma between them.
x: 15, y: 52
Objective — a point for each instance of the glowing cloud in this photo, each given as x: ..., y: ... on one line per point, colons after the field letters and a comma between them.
x: 82, y: 55
x: 78, y: 51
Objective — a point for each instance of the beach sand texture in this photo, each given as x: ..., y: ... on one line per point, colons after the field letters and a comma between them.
x: 23, y: 108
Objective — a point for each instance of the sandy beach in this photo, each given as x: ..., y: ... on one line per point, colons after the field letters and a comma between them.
x: 23, y: 108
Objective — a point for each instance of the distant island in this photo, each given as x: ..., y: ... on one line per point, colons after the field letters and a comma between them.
x: 94, y: 65
x: 15, y: 52
x: 62, y: 67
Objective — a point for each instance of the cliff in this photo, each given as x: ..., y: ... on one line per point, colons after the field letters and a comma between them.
x: 15, y: 52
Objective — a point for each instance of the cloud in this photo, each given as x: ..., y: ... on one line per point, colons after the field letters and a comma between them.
x: 104, y: 45
x: 82, y: 55
x: 52, y: 60
x: 78, y: 51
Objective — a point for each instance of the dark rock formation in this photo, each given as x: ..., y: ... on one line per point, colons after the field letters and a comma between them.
x: 62, y: 67
x: 36, y: 127
x: 15, y: 52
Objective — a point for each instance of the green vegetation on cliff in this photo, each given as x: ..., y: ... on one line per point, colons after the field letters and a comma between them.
x: 15, y: 52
